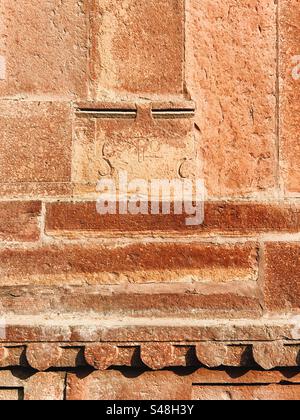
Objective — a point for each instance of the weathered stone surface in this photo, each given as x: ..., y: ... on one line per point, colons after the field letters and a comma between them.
x: 290, y: 356
x: 289, y: 84
x: 147, y: 263
x: 43, y: 356
x: 145, y: 147
x: 113, y: 385
x: 155, y: 355
x: 48, y: 386
x: 244, y: 377
x: 158, y: 356
x: 92, y: 87
x: 35, y: 142
x: 281, y: 284
x: 81, y: 219
x: 248, y: 393
x: 239, y: 355
x: 76, y: 329
x: 44, y: 48
x: 211, y: 354
x: 4, y: 354
x: 19, y: 221
x: 234, y: 87
x: 230, y: 300
x: 137, y: 47
x: 20, y: 384
x: 32, y: 190
x: 245, y: 385
x: 268, y: 355
x: 10, y: 394
x: 101, y: 356
x: 12, y: 356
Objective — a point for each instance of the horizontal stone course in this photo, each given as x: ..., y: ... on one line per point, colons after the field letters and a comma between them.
x: 76, y: 328
x: 116, y: 385
x: 250, y: 392
x: 139, y: 300
x: 138, y: 384
x: 75, y: 219
x: 136, y: 263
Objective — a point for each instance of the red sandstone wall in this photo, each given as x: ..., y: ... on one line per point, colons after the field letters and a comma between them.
x: 85, y: 298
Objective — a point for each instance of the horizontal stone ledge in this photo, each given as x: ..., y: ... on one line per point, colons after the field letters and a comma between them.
x: 76, y: 329
x: 85, y: 264
x: 233, y: 300
x: 79, y: 219
x: 42, y: 356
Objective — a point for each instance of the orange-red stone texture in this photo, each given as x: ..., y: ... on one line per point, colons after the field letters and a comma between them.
x: 289, y: 38
x: 104, y: 146
x: 231, y: 73
x: 77, y: 219
x: 36, y: 146
x: 138, y: 47
x: 45, y: 49
x: 19, y: 221
x: 169, y: 386
x: 145, y: 263
x: 144, y: 306
x: 281, y: 261
x: 20, y: 385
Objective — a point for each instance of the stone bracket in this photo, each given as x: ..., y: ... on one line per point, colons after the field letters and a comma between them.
x: 155, y: 356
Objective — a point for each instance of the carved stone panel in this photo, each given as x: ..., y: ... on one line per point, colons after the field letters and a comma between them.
x: 147, y: 144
